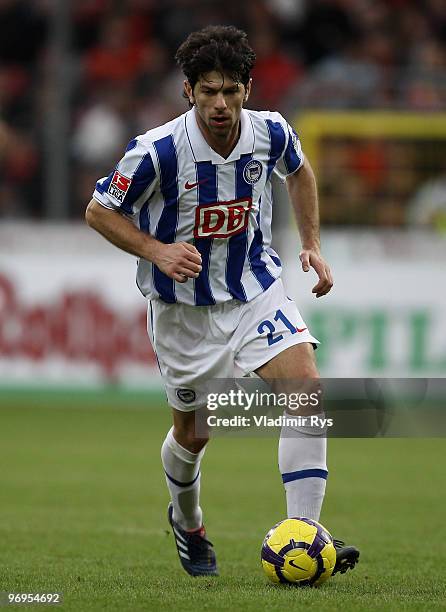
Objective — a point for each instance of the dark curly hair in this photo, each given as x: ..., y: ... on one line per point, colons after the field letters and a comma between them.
x: 221, y: 48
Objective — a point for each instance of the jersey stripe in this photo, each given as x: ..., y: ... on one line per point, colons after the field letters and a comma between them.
x: 167, y: 224
x: 103, y: 185
x: 276, y: 260
x: 143, y: 177
x: 144, y: 218
x: 258, y: 266
x: 237, y: 245
x: 277, y: 144
x: 291, y: 158
x: 132, y: 144
x: 207, y: 194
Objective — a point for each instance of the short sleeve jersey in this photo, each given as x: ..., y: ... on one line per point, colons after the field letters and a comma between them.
x: 174, y: 186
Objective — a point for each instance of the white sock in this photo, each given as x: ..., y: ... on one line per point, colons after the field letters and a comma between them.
x: 302, y: 463
x: 182, y: 470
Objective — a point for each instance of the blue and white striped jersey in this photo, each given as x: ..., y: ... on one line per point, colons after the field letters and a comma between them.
x: 175, y: 187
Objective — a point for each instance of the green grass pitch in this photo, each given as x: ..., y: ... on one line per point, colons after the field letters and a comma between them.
x: 83, y: 511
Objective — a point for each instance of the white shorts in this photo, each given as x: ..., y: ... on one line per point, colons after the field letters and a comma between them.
x: 195, y: 344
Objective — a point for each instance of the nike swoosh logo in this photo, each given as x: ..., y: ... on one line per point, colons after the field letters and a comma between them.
x: 193, y: 185
x: 296, y: 566
x: 301, y: 329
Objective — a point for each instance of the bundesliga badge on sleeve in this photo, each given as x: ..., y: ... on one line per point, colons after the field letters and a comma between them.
x: 119, y: 186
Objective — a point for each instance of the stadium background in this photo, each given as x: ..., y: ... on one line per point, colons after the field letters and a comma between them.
x: 364, y: 83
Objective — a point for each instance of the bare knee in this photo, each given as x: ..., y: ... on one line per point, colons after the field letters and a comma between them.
x: 303, y: 390
x: 189, y: 441
x: 185, y: 431
x: 294, y: 363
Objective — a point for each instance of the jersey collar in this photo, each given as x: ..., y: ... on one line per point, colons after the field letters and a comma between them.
x: 203, y: 152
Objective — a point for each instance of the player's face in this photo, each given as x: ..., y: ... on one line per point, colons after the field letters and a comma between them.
x: 218, y: 100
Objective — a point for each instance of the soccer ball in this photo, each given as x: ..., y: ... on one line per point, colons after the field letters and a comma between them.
x: 298, y: 551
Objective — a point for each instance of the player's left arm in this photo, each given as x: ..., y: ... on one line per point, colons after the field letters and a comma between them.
x: 302, y: 191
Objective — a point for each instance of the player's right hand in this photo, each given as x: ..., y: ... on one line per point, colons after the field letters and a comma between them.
x: 179, y: 261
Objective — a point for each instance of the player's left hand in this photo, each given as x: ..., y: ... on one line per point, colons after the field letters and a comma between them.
x: 311, y: 258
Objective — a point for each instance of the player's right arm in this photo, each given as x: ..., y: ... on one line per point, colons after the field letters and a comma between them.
x: 179, y: 260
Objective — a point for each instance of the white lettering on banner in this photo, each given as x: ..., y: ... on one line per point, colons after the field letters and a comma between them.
x: 75, y: 314
x: 222, y: 219
x: 81, y: 326
x: 78, y: 326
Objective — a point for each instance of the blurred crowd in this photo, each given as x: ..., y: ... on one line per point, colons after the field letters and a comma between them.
x: 121, y: 78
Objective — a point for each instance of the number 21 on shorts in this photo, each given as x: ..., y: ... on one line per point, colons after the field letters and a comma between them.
x: 270, y: 327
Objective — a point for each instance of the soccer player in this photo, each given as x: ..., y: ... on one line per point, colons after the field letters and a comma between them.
x: 192, y: 199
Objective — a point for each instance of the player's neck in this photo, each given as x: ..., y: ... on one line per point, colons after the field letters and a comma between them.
x: 224, y: 145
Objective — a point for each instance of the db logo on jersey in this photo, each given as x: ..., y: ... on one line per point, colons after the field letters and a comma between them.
x: 222, y: 219
x: 119, y: 186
